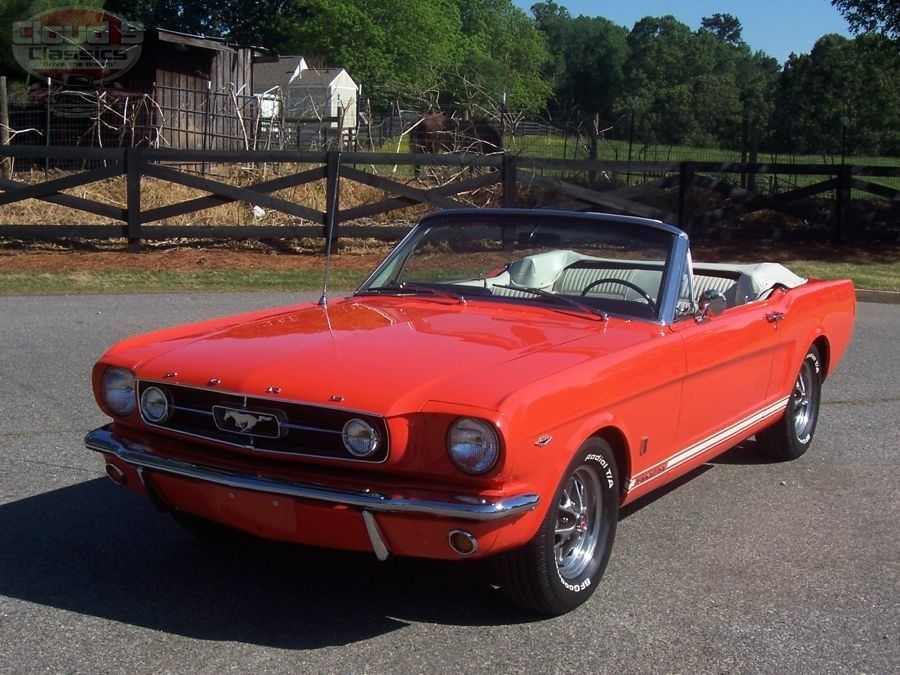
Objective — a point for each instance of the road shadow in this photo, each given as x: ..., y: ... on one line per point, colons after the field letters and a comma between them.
x: 659, y: 493
x: 747, y: 452
x: 96, y: 549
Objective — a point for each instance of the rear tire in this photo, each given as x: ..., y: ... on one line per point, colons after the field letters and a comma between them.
x: 559, y: 568
x: 792, y: 435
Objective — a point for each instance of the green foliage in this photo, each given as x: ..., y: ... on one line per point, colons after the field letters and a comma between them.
x: 588, y: 58
x: 724, y: 26
x: 468, y: 52
x: 678, y: 86
x: 843, y: 97
x: 202, y: 17
x: 503, y: 52
x: 393, y: 42
x: 872, y: 16
x: 694, y: 87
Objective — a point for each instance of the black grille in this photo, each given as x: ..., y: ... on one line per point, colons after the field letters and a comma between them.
x: 274, y: 426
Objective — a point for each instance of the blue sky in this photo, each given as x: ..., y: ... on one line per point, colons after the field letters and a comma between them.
x: 778, y: 27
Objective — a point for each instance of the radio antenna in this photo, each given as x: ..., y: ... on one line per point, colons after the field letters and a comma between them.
x: 332, y: 194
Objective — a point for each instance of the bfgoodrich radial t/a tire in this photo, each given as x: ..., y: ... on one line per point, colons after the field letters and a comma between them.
x: 790, y: 436
x: 559, y: 569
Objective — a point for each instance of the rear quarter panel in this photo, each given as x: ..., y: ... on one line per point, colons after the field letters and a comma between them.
x: 825, y: 309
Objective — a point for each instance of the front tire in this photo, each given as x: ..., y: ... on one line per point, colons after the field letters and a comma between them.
x: 559, y: 568
x: 792, y: 435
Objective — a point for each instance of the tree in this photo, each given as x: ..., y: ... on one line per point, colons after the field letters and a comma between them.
x: 387, y: 46
x: 504, y: 53
x: 588, y: 55
x: 724, y: 26
x: 660, y: 76
x: 872, y: 16
x: 698, y: 88
x: 201, y: 17
x: 842, y: 97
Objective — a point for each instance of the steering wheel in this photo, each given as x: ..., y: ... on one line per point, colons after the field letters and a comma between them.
x: 640, y: 291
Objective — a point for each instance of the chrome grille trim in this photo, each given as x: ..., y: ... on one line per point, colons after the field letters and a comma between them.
x: 195, y: 411
x: 143, y: 457
x: 300, y: 427
x: 282, y: 446
x: 259, y: 397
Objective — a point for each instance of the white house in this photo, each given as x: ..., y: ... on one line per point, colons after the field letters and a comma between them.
x: 306, y: 94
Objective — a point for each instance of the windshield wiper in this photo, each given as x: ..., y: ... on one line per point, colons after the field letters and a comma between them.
x: 583, y: 306
x: 408, y: 288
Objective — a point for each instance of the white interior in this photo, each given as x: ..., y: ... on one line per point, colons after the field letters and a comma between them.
x: 553, y: 271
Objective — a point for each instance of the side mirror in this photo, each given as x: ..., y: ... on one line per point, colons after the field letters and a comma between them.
x: 712, y: 303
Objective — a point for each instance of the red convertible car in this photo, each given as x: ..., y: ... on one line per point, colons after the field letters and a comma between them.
x: 499, y: 386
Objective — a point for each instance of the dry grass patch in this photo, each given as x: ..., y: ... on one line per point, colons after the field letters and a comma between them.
x: 156, y: 193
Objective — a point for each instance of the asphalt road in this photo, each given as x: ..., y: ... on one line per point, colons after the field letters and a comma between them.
x: 745, y: 566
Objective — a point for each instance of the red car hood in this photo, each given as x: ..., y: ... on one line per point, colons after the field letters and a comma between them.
x: 383, y: 355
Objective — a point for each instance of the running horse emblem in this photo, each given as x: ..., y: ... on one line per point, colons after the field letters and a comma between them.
x: 245, y: 421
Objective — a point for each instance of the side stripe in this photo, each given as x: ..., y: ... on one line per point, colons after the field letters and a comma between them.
x: 680, y: 458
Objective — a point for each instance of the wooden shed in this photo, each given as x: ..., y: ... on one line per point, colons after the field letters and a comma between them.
x: 201, y: 87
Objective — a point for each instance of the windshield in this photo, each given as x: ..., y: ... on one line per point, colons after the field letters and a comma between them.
x: 573, y: 264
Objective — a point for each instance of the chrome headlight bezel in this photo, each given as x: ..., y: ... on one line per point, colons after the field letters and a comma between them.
x: 118, y: 389
x: 360, y: 438
x: 473, y: 445
x: 145, y: 403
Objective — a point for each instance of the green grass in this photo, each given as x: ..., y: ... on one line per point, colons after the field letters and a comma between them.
x: 555, y: 147
x: 131, y: 281
x: 876, y: 275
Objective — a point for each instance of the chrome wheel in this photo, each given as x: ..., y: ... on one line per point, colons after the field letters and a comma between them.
x: 791, y: 435
x: 578, y: 521
x: 560, y: 567
x: 804, y: 401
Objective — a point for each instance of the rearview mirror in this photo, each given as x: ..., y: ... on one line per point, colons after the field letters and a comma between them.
x: 712, y: 303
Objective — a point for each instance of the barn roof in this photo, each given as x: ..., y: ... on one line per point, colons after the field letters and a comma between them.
x: 268, y: 74
x: 201, y: 41
x: 319, y: 76
x: 278, y: 73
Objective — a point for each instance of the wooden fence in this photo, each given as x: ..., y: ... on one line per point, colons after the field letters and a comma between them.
x: 509, y: 172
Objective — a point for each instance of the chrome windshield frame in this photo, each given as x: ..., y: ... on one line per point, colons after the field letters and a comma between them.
x: 672, y: 272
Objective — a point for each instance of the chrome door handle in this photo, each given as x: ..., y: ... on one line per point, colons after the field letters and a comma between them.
x: 774, y: 317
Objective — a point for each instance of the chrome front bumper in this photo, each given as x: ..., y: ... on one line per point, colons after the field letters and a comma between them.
x: 102, y: 440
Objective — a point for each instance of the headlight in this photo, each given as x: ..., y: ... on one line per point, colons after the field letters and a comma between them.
x: 155, y: 405
x: 473, y: 445
x: 117, y: 387
x: 360, y: 438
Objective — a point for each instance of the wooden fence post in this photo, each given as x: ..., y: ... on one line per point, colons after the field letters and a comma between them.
x: 685, y: 195
x: 754, y: 156
x: 509, y: 169
x: 842, y: 202
x: 332, y: 197
x: 593, y: 138
x: 6, y: 162
x: 134, y: 158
